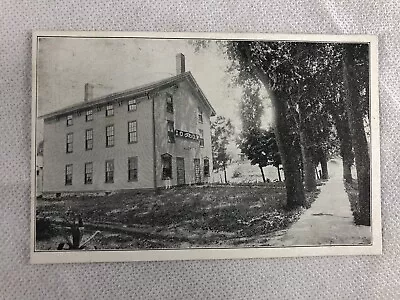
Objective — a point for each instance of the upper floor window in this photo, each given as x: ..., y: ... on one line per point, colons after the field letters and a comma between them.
x: 206, y: 167
x: 110, y: 136
x: 89, y: 115
x: 109, y: 171
x: 171, y: 132
x: 68, y: 175
x: 132, y: 105
x: 109, y: 110
x: 170, y: 104
x: 201, y: 133
x: 89, y: 139
x: 166, y: 162
x: 89, y: 173
x: 200, y: 115
x: 69, y: 145
x: 132, y: 132
x: 69, y: 120
x: 133, y: 168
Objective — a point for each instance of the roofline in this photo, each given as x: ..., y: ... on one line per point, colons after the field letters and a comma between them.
x: 135, y: 92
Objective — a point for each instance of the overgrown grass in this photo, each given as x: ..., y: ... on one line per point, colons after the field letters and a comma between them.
x: 197, y: 216
x: 352, y: 193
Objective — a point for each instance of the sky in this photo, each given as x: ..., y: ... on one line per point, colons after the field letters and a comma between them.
x: 64, y: 65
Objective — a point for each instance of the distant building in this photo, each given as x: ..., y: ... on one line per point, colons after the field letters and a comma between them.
x: 147, y: 137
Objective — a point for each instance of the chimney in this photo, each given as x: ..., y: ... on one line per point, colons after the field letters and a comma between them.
x: 88, y: 92
x: 180, y: 63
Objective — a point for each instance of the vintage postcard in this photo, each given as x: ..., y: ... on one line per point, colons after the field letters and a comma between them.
x: 175, y: 146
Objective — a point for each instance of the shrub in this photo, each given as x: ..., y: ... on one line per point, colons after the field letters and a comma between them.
x: 44, y: 229
x: 236, y: 173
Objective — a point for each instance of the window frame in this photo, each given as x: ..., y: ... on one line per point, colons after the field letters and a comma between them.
x: 110, y: 138
x: 134, y: 137
x: 201, y: 134
x: 170, y: 133
x: 206, y: 167
x: 132, y: 105
x: 70, y: 121
x: 164, y: 175
x: 109, y: 172
x: 87, y: 177
x: 109, y: 110
x: 133, y: 165
x: 169, y: 104
x: 87, y: 114
x: 87, y: 148
x: 200, y: 115
x: 68, y: 143
x: 68, y: 175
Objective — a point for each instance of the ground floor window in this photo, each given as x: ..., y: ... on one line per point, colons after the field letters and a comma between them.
x: 206, y: 167
x: 88, y: 173
x: 68, y: 175
x: 109, y: 171
x: 166, y: 161
x: 133, y: 168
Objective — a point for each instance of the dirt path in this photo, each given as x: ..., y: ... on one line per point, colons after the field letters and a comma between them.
x: 329, y: 221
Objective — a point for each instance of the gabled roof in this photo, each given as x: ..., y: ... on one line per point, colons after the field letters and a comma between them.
x: 135, y: 92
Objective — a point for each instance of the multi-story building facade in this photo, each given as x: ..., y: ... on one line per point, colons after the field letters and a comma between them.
x: 151, y: 136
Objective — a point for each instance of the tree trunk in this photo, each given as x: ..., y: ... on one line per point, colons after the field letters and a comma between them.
x: 226, y: 180
x: 324, y: 165
x: 356, y: 124
x: 310, y: 183
x: 287, y: 143
x: 288, y: 146
x: 262, y: 173
x: 316, y: 172
x: 279, y: 174
x: 346, y: 144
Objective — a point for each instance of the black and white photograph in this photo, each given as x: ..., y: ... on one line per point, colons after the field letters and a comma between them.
x: 160, y: 146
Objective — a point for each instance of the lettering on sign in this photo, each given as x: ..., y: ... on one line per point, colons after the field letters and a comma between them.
x: 187, y: 135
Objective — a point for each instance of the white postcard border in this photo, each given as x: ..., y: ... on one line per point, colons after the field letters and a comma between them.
x: 44, y: 257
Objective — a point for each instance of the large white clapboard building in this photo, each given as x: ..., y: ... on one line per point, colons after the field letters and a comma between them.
x: 151, y: 136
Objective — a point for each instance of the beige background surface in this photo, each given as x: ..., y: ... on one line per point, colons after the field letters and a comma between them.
x: 289, y: 278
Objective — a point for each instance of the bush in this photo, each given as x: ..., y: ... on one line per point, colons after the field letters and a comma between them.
x: 44, y: 229
x: 236, y: 173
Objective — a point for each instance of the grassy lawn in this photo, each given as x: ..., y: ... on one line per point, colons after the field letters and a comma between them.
x: 200, y: 216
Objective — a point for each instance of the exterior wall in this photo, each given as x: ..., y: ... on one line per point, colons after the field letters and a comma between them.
x: 185, y: 118
x: 56, y: 158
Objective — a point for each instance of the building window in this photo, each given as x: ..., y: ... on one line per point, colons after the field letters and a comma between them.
x: 110, y: 136
x: 200, y: 114
x: 69, y: 145
x: 69, y: 120
x: 109, y: 171
x: 171, y: 132
x: 170, y: 104
x: 132, y: 105
x: 109, y: 110
x: 206, y: 167
x: 166, y: 162
x: 201, y: 133
x: 132, y: 132
x: 133, y: 168
x: 89, y: 115
x: 68, y: 175
x: 89, y: 139
x: 88, y: 173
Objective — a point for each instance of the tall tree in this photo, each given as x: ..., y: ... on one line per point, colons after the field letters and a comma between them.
x: 261, y: 149
x: 353, y: 56
x: 222, y: 131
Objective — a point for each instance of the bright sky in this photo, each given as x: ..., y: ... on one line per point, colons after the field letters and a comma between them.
x: 116, y: 64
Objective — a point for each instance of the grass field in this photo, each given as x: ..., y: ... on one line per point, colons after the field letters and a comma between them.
x: 199, y: 216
